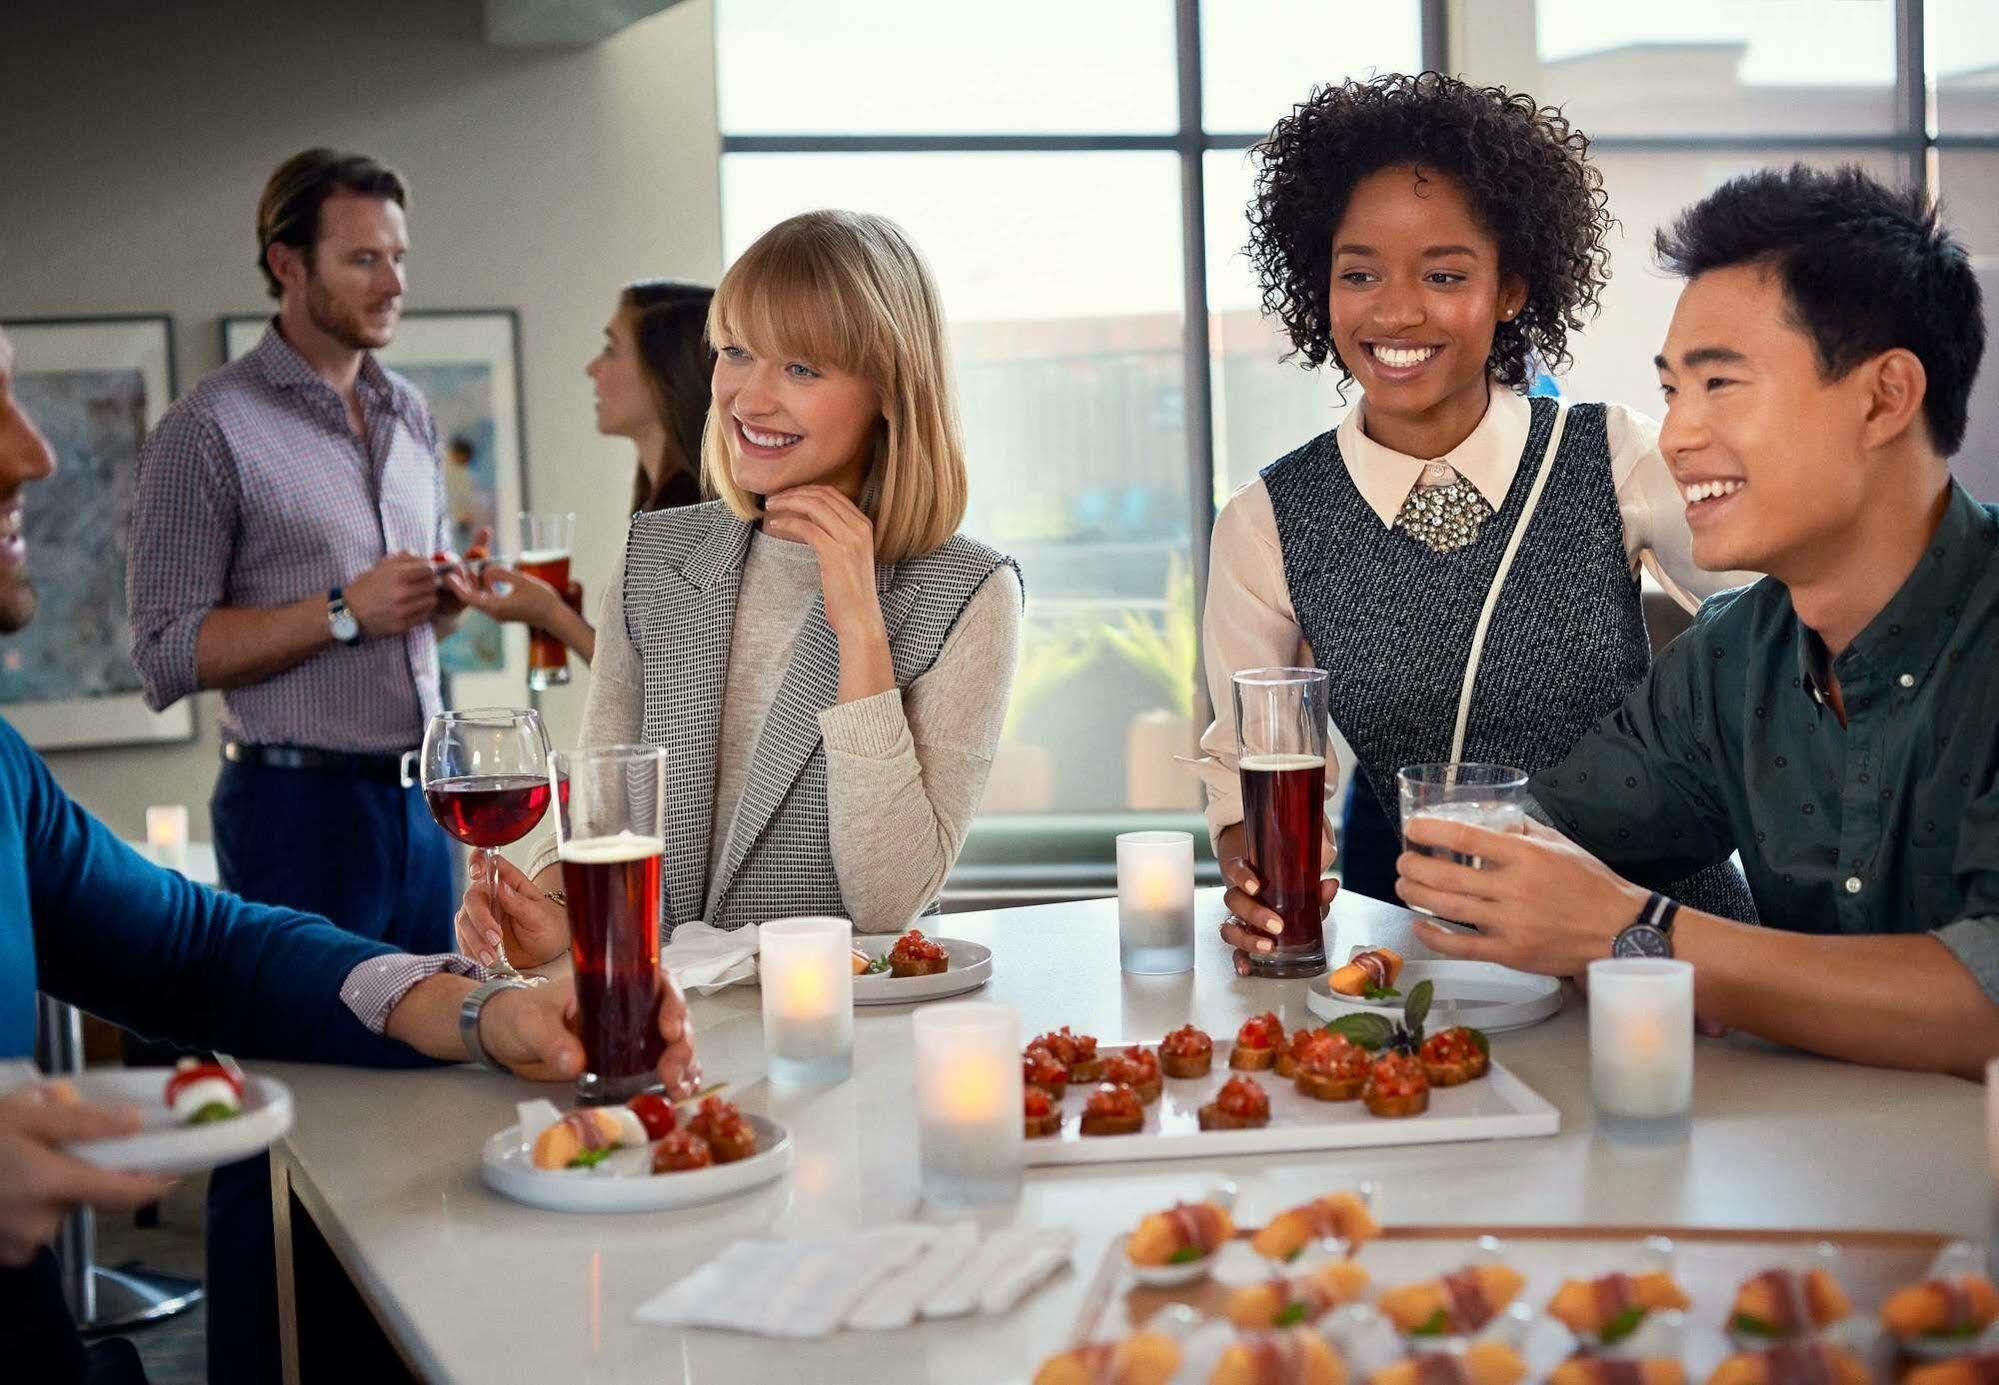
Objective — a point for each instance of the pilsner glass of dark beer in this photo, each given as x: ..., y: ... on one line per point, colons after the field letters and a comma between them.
x: 1280, y: 726
x: 547, y: 541
x: 609, y: 804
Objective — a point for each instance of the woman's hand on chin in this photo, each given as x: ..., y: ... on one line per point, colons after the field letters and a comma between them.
x: 843, y: 537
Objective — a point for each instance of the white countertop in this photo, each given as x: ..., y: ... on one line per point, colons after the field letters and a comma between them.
x: 477, y: 1288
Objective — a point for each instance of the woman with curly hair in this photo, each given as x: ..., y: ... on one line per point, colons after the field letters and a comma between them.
x: 1461, y: 560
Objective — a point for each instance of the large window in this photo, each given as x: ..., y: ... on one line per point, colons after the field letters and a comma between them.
x: 1077, y: 174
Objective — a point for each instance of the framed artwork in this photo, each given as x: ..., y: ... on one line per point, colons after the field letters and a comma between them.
x: 94, y: 385
x: 467, y: 364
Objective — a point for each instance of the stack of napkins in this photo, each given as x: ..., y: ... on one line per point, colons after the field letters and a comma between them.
x: 704, y: 959
x: 811, y: 1286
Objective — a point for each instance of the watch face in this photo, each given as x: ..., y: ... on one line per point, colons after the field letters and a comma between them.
x: 1641, y: 940
x: 345, y: 627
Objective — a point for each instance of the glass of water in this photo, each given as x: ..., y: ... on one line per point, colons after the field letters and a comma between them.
x: 1489, y: 796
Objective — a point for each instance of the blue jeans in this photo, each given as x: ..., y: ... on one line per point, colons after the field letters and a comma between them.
x: 367, y: 856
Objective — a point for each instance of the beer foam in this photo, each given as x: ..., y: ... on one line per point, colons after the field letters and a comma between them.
x: 610, y: 851
x: 1277, y: 762
x: 544, y: 555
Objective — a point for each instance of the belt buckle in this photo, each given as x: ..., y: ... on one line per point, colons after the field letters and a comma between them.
x: 405, y: 772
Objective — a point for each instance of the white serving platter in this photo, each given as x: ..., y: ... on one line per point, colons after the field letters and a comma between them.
x: 1484, y: 995
x: 624, y: 1182
x: 1498, y: 1106
x: 971, y: 966
x: 161, y: 1145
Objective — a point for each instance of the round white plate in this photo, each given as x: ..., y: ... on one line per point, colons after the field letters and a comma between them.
x: 971, y: 967
x: 1484, y: 995
x: 161, y: 1146
x: 625, y: 1182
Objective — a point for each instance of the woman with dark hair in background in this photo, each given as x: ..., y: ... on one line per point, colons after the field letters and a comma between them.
x: 651, y: 383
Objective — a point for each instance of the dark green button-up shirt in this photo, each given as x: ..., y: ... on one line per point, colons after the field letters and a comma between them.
x: 1888, y: 824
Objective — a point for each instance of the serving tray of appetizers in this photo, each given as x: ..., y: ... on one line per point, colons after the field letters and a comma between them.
x: 1552, y: 1295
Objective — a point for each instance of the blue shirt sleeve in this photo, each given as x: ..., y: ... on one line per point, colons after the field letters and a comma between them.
x: 145, y: 948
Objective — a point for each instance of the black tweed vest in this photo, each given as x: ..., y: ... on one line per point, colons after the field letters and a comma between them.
x: 1392, y: 622
x: 683, y: 571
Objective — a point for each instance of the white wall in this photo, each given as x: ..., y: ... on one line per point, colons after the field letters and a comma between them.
x: 135, y: 137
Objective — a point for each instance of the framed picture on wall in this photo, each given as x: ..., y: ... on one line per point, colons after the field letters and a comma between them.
x: 466, y: 363
x: 94, y: 385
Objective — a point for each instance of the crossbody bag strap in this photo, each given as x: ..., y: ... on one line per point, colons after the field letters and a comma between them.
x: 1499, y: 580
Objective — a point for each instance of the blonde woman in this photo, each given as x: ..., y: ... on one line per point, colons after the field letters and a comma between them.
x: 825, y: 658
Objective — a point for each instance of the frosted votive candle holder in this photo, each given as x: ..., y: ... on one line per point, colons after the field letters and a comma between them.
x: 166, y: 835
x: 1155, y: 902
x: 808, y: 999
x: 1641, y: 1047
x: 968, y: 1103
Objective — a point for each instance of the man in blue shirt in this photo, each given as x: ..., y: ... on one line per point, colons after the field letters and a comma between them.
x: 1833, y: 724
x: 85, y: 918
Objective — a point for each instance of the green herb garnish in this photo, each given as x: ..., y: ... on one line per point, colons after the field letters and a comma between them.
x: 1186, y: 1255
x: 1416, y: 1008
x: 211, y: 1113
x: 1293, y: 1314
x: 1437, y: 1326
x: 879, y: 965
x: 1294, y: 1255
x: 1369, y: 1031
x: 1753, y: 1325
x: 1954, y: 1334
x: 589, y: 1158
x: 1621, y: 1326
x: 1381, y: 993
x: 1478, y: 1037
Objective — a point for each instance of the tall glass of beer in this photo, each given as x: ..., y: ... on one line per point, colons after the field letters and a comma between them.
x: 1280, y: 727
x: 608, y: 830
x: 547, y: 540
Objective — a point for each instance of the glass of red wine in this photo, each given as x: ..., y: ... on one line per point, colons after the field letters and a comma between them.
x: 485, y: 776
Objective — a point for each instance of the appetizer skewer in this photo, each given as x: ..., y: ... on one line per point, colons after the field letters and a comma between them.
x: 1184, y: 1232
x: 1372, y: 970
x: 1483, y: 1363
x: 1341, y: 1215
x: 1607, y: 1370
x: 1297, y: 1357
x: 1611, y: 1306
x: 1795, y: 1364
x: 1963, y: 1370
x: 1454, y: 1304
x: 1961, y: 1306
x: 1301, y: 1298
x: 1784, y: 1303
x: 1146, y: 1358
x: 201, y: 1093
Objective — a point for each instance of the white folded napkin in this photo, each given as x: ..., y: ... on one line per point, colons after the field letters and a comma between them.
x: 811, y: 1286
x: 705, y: 959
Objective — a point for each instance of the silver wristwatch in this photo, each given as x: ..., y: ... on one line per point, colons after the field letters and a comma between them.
x: 340, y: 617
x: 468, y: 1016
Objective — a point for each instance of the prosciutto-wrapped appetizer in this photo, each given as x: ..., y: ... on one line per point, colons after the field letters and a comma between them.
x: 200, y: 1093
x: 1076, y: 1052
x: 1332, y: 1067
x: 1960, y: 1370
x: 1287, y: 1057
x: 1138, y: 1068
x: 915, y: 955
x: 1962, y: 1306
x: 1186, y: 1231
x: 1041, y: 1068
x: 1784, y: 1303
x: 1113, y: 1109
x: 1337, y: 1214
x: 1614, y: 1304
x: 1039, y: 1114
x: 1609, y: 1370
x: 728, y: 1135
x: 1454, y: 1304
x: 1372, y: 970
x: 1240, y: 1105
x: 1257, y: 1042
x: 682, y: 1151
x: 1483, y: 1363
x: 1301, y: 1298
x: 1396, y: 1086
x: 1297, y: 1357
x: 1146, y: 1358
x: 1454, y: 1056
x: 1186, y: 1052
x: 1801, y: 1363
x: 587, y: 1137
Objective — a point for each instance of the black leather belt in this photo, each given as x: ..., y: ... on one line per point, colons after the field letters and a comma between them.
x: 386, y: 769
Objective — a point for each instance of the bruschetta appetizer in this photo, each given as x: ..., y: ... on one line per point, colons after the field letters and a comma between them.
x: 1186, y: 1052
x: 1454, y: 1056
x: 1113, y: 1109
x: 1396, y: 1087
x: 729, y: 1136
x: 1039, y: 1114
x: 1257, y: 1043
x: 1076, y: 1052
x: 1138, y: 1068
x: 1332, y: 1067
x: 1240, y: 1105
x: 1041, y: 1068
x: 915, y: 955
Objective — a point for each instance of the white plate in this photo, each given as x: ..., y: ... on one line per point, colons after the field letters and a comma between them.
x: 1498, y: 1106
x: 624, y: 1182
x: 970, y: 968
x: 161, y: 1146
x: 1484, y: 995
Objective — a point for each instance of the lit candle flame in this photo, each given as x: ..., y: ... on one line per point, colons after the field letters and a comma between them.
x: 975, y: 1094
x: 805, y: 992
x: 1156, y: 886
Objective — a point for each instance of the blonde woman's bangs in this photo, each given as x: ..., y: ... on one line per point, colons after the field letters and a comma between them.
x: 781, y: 299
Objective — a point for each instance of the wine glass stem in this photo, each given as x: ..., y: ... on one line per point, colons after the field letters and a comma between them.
x: 490, y: 859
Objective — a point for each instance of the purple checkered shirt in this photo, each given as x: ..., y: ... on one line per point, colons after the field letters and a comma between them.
x: 254, y: 491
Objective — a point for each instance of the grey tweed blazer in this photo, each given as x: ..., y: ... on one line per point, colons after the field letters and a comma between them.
x: 683, y: 572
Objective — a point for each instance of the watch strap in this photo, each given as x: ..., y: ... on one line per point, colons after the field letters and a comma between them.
x: 468, y: 1016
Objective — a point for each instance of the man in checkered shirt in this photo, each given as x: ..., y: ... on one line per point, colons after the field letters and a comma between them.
x: 281, y: 552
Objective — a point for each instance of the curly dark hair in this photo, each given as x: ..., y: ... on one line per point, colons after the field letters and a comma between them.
x: 1524, y: 170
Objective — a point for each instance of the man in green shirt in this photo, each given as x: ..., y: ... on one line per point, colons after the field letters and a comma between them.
x: 1835, y: 723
